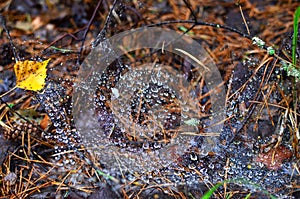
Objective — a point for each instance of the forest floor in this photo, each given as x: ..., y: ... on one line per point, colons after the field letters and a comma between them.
x: 254, y: 154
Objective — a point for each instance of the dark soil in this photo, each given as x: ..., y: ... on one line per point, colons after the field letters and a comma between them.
x: 255, y: 153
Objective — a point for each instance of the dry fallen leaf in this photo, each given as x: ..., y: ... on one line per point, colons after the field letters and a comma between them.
x: 31, y: 75
x: 45, y: 122
x: 274, y: 158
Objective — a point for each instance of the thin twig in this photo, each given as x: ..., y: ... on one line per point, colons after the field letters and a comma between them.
x: 202, y: 23
x: 192, y: 12
x: 245, y: 22
x: 100, y: 37
x: 87, y: 29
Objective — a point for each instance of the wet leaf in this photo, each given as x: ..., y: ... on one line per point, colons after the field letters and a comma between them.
x: 31, y: 75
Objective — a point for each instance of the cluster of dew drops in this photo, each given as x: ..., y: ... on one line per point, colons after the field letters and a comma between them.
x: 57, y: 104
x: 139, y: 101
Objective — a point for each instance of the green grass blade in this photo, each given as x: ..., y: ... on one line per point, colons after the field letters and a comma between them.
x: 295, y: 37
x: 239, y: 181
x: 107, y: 176
x: 210, y: 192
x: 248, y: 195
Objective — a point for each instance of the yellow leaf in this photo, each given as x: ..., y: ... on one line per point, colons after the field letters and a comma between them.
x: 31, y: 75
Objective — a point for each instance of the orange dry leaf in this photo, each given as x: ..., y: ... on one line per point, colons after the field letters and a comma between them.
x: 45, y: 122
x: 273, y: 159
x: 31, y: 75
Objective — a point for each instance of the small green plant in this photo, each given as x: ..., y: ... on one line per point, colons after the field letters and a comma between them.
x: 270, y: 50
x: 259, y: 42
x: 262, y: 44
x: 291, y: 70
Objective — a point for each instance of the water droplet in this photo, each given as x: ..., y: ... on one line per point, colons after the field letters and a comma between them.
x: 192, y: 166
x: 159, y: 83
x: 157, y: 145
x: 146, y: 145
x: 193, y: 157
x: 186, y: 109
x: 102, y: 97
x: 184, y: 116
x: 59, y: 131
x: 160, y: 116
x: 153, y: 79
